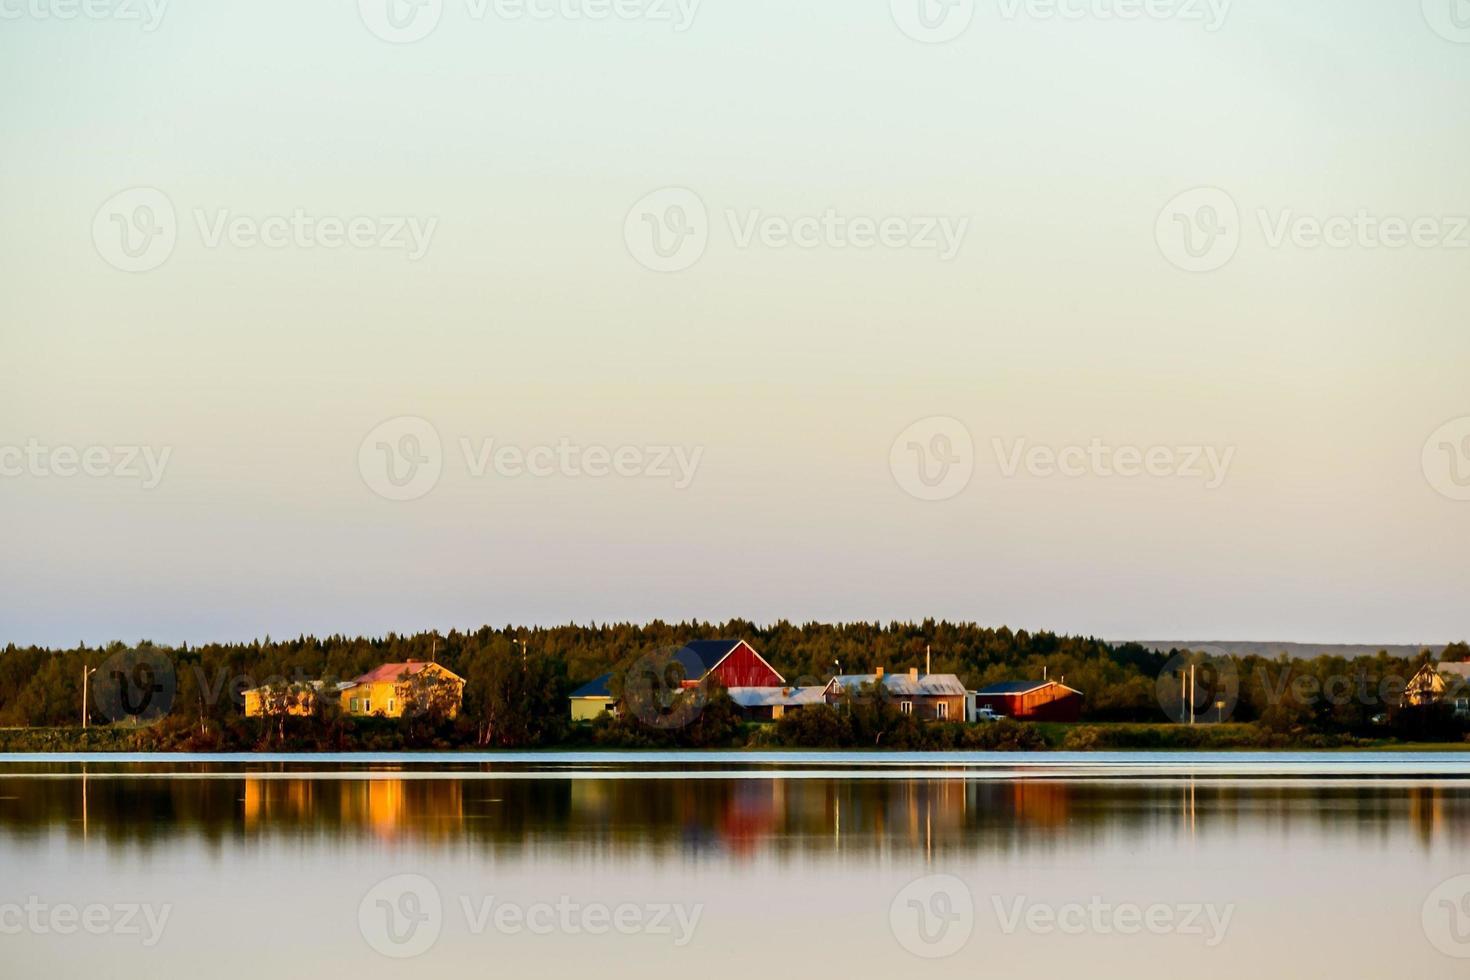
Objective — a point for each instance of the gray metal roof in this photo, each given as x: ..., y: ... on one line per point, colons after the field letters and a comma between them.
x: 926, y: 685
x: 769, y: 697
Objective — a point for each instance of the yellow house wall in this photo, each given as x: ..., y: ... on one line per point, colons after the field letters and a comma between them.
x: 255, y: 705
x: 381, y: 693
x: 589, y: 709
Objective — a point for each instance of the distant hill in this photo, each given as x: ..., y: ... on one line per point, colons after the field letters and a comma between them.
x: 1303, y: 651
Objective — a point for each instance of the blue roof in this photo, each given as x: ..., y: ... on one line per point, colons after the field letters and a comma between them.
x: 699, y: 657
x: 595, y: 689
x: 1012, y: 687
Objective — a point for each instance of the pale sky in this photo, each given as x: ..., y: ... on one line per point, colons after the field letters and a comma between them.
x: 787, y: 378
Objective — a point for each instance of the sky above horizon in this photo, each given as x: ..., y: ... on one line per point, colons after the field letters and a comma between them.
x: 361, y: 316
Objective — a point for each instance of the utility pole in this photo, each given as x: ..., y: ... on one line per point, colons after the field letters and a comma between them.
x: 87, y: 673
x: 928, y: 661
x: 1192, y: 668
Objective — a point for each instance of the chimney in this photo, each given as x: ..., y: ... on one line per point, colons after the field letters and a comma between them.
x: 880, y: 673
x: 914, y: 674
x: 928, y: 661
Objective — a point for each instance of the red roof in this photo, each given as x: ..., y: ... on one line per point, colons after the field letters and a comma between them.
x: 390, y: 672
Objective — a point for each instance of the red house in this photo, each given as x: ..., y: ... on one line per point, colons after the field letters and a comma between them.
x: 1032, y: 701
x: 734, y: 662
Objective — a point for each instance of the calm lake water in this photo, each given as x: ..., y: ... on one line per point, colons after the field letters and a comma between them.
x: 722, y: 866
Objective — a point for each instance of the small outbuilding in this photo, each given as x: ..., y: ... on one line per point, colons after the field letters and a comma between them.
x: 593, y: 699
x: 1031, y: 701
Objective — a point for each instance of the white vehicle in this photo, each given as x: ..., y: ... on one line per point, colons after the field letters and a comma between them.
x: 985, y: 714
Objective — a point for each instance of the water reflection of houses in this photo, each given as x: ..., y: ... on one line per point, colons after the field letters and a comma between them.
x: 724, y: 816
x: 386, y: 808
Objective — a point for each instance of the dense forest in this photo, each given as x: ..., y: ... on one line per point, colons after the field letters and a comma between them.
x: 518, y: 680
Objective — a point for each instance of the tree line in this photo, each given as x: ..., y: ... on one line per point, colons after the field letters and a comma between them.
x: 518, y: 680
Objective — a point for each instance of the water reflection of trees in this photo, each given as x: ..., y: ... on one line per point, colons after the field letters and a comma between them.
x: 723, y: 818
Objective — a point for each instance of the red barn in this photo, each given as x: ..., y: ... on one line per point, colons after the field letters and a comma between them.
x: 734, y: 662
x: 1032, y: 701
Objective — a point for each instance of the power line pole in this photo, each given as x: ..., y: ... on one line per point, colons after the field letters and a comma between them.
x: 87, y: 673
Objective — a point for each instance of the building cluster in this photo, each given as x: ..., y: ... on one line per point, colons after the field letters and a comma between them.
x: 757, y: 688
x: 385, y: 691
x: 762, y: 694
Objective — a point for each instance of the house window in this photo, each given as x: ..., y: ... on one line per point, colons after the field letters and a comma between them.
x: 907, y: 707
x: 367, y: 706
x: 942, y: 709
x: 390, y: 705
x: 353, y: 709
x: 609, y: 706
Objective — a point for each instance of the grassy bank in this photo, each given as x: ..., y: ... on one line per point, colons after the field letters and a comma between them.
x: 1035, y: 737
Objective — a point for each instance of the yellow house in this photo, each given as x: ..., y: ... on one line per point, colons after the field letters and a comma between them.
x: 386, y: 691
x: 593, y: 699
x: 296, y: 699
